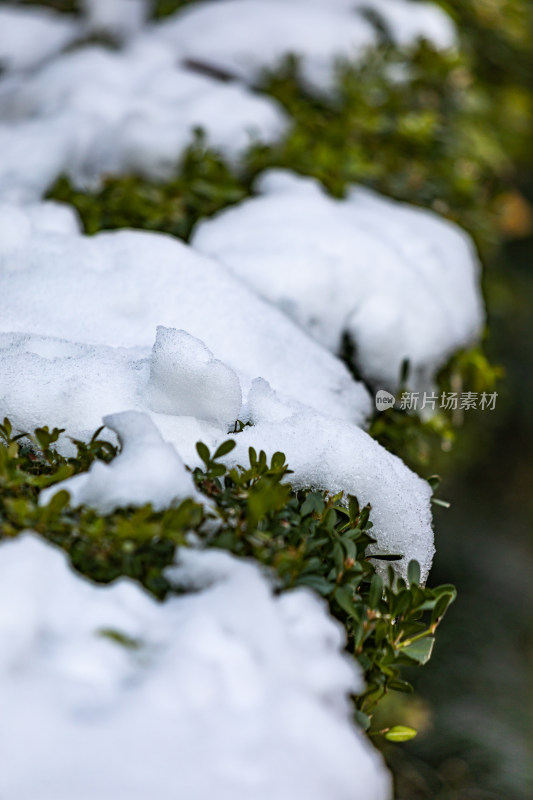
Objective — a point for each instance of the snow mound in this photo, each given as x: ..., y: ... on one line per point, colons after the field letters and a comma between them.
x: 30, y: 35
x: 148, y: 470
x: 404, y: 20
x: 121, y: 19
x: 80, y: 384
x: 114, y: 289
x: 400, y: 281
x: 332, y: 455
x: 214, y: 696
x: 244, y: 38
x: 186, y: 380
x: 94, y: 111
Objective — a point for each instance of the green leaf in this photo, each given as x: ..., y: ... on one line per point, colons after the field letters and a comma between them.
x: 313, y: 504
x: 277, y: 461
x: 420, y: 651
x: 353, y: 508
x: 434, y: 482
x: 224, y: 449
x: 400, y: 733
x: 376, y: 591
x: 413, y: 572
x: 344, y: 597
x: 401, y: 686
x: 203, y: 452
x: 362, y: 719
x: 387, y: 557
x: 441, y: 606
x: 319, y: 584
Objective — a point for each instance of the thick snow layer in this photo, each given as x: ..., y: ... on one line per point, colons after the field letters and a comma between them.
x: 116, y: 288
x: 218, y: 697
x: 121, y: 19
x: 333, y: 455
x: 244, y: 38
x: 402, y: 282
x: 78, y: 384
x: 30, y: 35
x: 95, y: 111
x: 405, y: 21
x: 148, y: 470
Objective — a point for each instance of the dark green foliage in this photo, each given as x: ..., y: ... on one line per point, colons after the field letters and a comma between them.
x: 67, y: 6
x: 420, y: 441
x: 306, y: 538
x: 163, y: 8
x: 433, y: 138
x: 203, y: 185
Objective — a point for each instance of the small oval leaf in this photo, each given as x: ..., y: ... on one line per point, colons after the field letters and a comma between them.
x: 400, y: 733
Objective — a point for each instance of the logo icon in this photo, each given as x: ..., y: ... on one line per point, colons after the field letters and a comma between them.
x: 384, y: 400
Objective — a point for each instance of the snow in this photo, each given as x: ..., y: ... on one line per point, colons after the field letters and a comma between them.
x: 122, y: 19
x: 30, y: 35
x: 114, y: 289
x: 244, y: 38
x: 227, y: 688
x: 186, y: 380
x: 105, y: 302
x: 250, y: 698
x: 400, y: 281
x: 332, y: 455
x: 405, y: 21
x: 80, y: 384
x: 94, y: 111
x: 148, y: 470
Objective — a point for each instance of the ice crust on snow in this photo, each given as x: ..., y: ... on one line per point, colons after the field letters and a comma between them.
x: 114, y: 289
x: 400, y: 281
x: 248, y: 697
x: 245, y: 38
x: 148, y: 470
x: 94, y: 111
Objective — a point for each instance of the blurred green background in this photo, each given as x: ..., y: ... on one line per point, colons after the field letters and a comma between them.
x: 476, y: 716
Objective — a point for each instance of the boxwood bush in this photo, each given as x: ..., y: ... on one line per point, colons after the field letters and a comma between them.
x: 303, y: 538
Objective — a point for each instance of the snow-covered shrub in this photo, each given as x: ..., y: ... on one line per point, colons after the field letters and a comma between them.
x: 305, y: 538
x: 110, y: 99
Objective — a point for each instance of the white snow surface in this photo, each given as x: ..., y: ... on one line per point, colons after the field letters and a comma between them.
x: 73, y: 386
x: 248, y: 697
x: 94, y: 111
x: 244, y: 38
x: 122, y: 19
x: 406, y: 21
x: 29, y: 35
x: 148, y: 470
x: 95, y: 306
x: 114, y: 289
x: 400, y: 281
